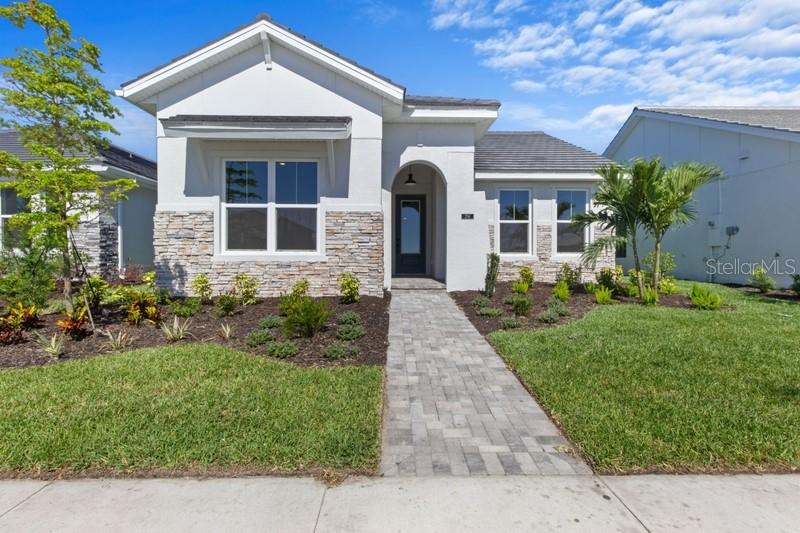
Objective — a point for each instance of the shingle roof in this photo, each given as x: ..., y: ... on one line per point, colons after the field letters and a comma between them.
x: 112, y: 155
x: 446, y: 101
x: 776, y: 118
x: 257, y: 119
x: 532, y: 151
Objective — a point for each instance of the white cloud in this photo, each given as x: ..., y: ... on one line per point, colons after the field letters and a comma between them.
x: 585, y: 19
x: 471, y: 14
x: 620, y: 56
x: 529, y: 86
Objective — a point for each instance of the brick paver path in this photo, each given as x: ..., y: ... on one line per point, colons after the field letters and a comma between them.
x: 453, y: 408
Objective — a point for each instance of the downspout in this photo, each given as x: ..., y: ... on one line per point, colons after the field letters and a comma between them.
x: 120, y: 235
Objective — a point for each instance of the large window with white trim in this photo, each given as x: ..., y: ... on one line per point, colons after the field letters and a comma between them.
x: 10, y: 205
x: 569, y: 203
x: 270, y: 206
x: 515, y: 221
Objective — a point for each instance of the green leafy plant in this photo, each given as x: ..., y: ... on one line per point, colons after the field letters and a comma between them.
x: 118, y: 341
x: 282, y: 349
x: 590, y: 287
x: 350, y: 332
x: 259, y: 337
x: 201, y: 287
x: 349, y: 286
x: 489, y: 311
x: 667, y: 265
x: 298, y: 292
x: 521, y: 305
x: 162, y: 295
x: 11, y: 331
x: 338, y: 350
x: 270, y: 321
x: 26, y: 316
x: 650, y: 296
x: 602, y: 296
x: 186, y: 308
x: 519, y: 287
x: 558, y: 307
x: 481, y: 301
x: 703, y: 298
x: 796, y: 283
x: 74, y: 323
x: 94, y: 291
x: 510, y: 323
x: 349, y: 317
x: 226, y: 305
x: 761, y: 280
x: 178, y: 330
x: 632, y: 291
x: 668, y: 285
x: 611, y: 278
x: 490, y: 281
x: 142, y: 305
x: 225, y: 331
x: 548, y: 316
x: 306, y: 317
x: 52, y: 346
x: 149, y: 280
x: 561, y: 291
x: 569, y: 275
x: 246, y: 288
x: 526, y: 275
x: 27, y: 273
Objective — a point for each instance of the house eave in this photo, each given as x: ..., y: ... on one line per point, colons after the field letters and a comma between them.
x: 537, y: 175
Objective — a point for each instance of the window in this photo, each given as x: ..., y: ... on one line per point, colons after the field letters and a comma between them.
x: 10, y: 205
x: 515, y: 222
x: 568, y: 204
x: 622, y: 249
x: 262, y: 214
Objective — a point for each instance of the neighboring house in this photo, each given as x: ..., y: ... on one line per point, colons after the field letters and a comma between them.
x: 281, y: 159
x: 750, y: 214
x: 112, y: 239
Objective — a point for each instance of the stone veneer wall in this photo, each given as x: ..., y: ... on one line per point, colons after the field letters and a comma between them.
x: 184, y: 246
x: 97, y: 240
x: 544, y: 267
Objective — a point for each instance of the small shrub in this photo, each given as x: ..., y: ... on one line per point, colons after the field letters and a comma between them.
x: 634, y: 275
x: 226, y: 305
x: 490, y: 282
x: 246, y: 288
x: 761, y: 280
x: 519, y: 287
x: 590, y: 287
x: 306, y: 317
x: 52, y: 346
x: 178, y: 330
x: 509, y: 323
x: 298, y: 292
x: 521, y: 305
x: 611, y: 278
x: 558, y: 307
x: 27, y: 274
x: 74, y: 323
x: 490, y: 311
x: 94, y: 291
x: 481, y: 301
x: 270, y: 321
x: 186, y: 308
x: 11, y: 331
x: 350, y: 332
x: 142, y: 305
x: 602, y: 296
x: 650, y: 296
x: 508, y: 300
x: 349, y: 317
x: 703, y: 298
x: 571, y: 276
x: 118, y: 341
x: 631, y: 290
x: 548, y: 316
x: 349, y: 286
x: 796, y: 283
x: 202, y: 287
x: 225, y: 331
x: 666, y: 262
x: 26, y: 316
x: 667, y: 285
x: 282, y: 349
x: 259, y: 337
x: 526, y: 275
x: 149, y: 280
x: 337, y: 350
x: 163, y: 295
x: 561, y: 291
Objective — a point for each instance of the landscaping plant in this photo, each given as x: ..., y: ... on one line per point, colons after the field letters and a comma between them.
x: 489, y: 311
x: 481, y: 301
x: 590, y: 287
x: 149, y: 280
x: 246, y: 288
x: 298, y: 292
x: 52, y: 346
x: 305, y: 317
x: 796, y: 283
x: 521, y: 305
x: 519, y: 287
x: 11, y: 330
x: 94, y: 291
x: 602, y: 296
x: 558, y: 307
x: 349, y: 317
x: 569, y: 275
x: 526, y: 275
x: 761, y: 280
x: 270, y: 321
x: 561, y: 291
x: 611, y: 278
x: 338, y: 350
x: 668, y: 285
x: 225, y: 331
x: 74, y: 323
x: 650, y: 297
x: 349, y: 286
x: 201, y: 287
x: 178, y: 330
x: 259, y: 337
x: 188, y: 307
x: 492, y: 266
x: 350, y: 332
x: 27, y: 273
x: 26, y: 316
x: 509, y: 323
x: 141, y: 305
x: 226, y: 305
x: 282, y: 349
x: 118, y: 341
x: 703, y: 298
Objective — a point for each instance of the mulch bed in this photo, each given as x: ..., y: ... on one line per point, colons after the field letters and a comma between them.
x: 206, y: 327
x: 778, y: 294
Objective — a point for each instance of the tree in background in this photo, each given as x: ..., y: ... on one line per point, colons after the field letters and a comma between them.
x: 61, y: 111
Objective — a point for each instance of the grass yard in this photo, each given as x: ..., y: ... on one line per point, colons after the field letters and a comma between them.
x: 196, y: 409
x: 667, y: 389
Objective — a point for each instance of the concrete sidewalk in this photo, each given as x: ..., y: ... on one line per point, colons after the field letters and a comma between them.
x: 514, y: 503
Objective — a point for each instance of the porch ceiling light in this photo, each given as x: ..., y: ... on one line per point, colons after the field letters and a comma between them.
x: 410, y: 181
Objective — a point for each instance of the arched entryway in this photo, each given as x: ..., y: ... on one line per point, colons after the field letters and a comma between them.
x: 419, y: 222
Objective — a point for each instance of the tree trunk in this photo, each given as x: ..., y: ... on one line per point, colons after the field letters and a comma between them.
x: 657, y: 263
x: 66, y: 272
x: 637, y: 265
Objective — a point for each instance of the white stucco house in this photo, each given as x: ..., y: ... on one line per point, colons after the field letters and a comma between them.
x: 113, y: 239
x: 279, y: 158
x: 749, y: 216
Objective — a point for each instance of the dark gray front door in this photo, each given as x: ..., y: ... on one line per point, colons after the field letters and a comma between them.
x: 410, y: 234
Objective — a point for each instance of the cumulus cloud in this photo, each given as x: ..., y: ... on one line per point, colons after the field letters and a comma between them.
x: 529, y: 86
x: 473, y: 14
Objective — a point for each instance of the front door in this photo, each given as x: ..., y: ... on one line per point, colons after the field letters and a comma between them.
x: 410, y: 234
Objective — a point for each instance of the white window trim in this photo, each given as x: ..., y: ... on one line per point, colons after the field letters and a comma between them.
x: 515, y: 255
x: 272, y: 253
x: 588, y: 233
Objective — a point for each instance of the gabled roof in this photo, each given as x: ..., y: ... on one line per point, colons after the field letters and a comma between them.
x: 532, y: 151
x: 447, y: 101
x: 113, y: 156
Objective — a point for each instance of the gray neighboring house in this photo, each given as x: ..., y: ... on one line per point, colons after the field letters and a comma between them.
x: 118, y: 237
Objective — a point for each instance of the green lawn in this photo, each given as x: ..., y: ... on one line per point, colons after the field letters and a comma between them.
x: 192, y: 408
x: 647, y: 389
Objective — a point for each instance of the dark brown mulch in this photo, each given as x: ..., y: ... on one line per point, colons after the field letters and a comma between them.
x: 778, y: 294
x: 579, y: 304
x: 206, y: 327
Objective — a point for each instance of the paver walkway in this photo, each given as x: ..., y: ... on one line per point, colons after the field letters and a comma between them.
x: 452, y: 406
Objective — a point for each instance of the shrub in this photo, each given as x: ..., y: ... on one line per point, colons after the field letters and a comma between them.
x: 282, y: 349
x: 259, y: 337
x: 519, y: 287
x: 703, y: 298
x: 349, y: 317
x: 74, y: 323
x: 142, y: 305
x: 526, y: 275
x: 548, y: 316
x: 201, y: 287
x: 492, y: 266
x: 350, y: 332
x: 590, y: 287
x: 186, y: 308
x: 509, y: 323
x: 298, y: 292
x: 602, y: 296
x: 521, y: 305
x: 481, y: 301
x: 349, y: 286
x: 246, y: 288
x: 11, y: 331
x: 270, y: 321
x: 163, y: 295
x: 634, y: 275
x: 561, y: 291
x: 489, y: 311
x: 118, y: 341
x: 337, y: 350
x: 631, y: 290
x: 149, y: 280
x: 225, y: 331
x: 27, y: 275
x: 94, y: 291
x: 558, y: 307
x: 796, y: 283
x: 226, y: 305
x: 611, y: 278
x: 571, y: 276
x: 650, y: 296
x: 668, y: 285
x: 178, y: 330
x: 26, y: 317
x: 761, y: 280
x: 306, y: 317
x: 666, y: 262
x: 52, y: 346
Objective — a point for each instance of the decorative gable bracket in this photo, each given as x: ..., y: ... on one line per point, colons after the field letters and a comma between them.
x: 265, y: 44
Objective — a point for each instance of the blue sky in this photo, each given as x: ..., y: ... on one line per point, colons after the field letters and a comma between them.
x: 574, y: 69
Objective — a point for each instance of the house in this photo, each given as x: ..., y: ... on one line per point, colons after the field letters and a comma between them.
x: 748, y: 217
x: 281, y: 159
x: 114, y: 239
